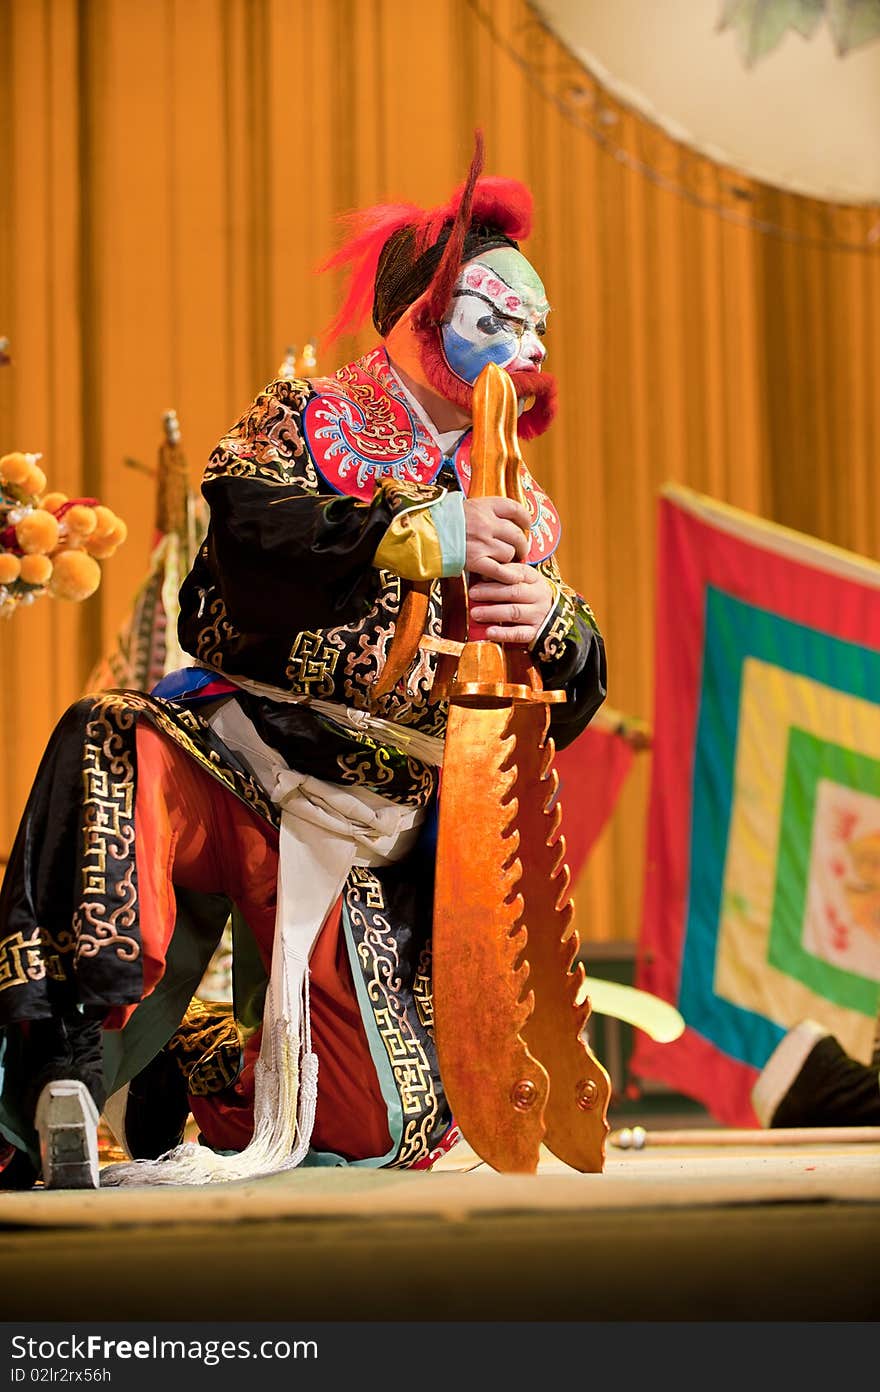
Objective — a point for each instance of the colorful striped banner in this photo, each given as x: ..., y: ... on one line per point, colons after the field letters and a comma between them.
x: 762, y: 886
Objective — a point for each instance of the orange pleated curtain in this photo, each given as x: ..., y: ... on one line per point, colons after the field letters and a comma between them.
x: 169, y: 175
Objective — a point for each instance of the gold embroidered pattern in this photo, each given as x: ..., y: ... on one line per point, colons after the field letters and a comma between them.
x: 267, y: 444
x: 365, y: 647
x: 186, y: 728
x: 571, y: 603
x: 553, y: 640
x: 218, y: 631
x: 424, y: 780
x: 411, y: 1068
x: 108, y: 834
x: 377, y: 767
x: 311, y: 664
x: 230, y: 461
x: 207, y: 1047
x: 423, y: 990
x: 371, y: 769
x: 369, y: 657
x: 108, y: 908
x: 400, y: 494
x: 23, y: 960
x: 555, y: 634
x: 373, y: 898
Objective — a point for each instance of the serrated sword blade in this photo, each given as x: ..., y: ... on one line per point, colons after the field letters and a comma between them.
x: 495, y: 1087
x: 576, y: 1112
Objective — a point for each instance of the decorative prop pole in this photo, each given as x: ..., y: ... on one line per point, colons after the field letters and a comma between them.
x: 296, y: 364
x: 146, y: 647
x: 637, y: 1138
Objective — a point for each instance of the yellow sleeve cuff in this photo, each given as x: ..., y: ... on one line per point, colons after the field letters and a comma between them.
x: 411, y: 547
x: 426, y: 543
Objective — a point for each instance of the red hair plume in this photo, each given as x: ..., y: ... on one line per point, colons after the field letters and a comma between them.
x: 369, y: 230
x: 496, y: 202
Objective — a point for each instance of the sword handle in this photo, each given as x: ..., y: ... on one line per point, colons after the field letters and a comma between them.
x: 490, y: 673
x: 496, y: 461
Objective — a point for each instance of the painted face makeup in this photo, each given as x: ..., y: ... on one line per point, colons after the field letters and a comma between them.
x: 498, y: 314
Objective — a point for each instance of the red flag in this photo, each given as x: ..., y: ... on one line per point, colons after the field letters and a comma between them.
x: 592, y: 771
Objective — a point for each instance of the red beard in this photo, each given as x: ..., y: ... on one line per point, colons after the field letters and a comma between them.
x: 539, y: 386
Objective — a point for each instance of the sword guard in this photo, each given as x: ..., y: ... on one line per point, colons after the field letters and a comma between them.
x: 493, y: 674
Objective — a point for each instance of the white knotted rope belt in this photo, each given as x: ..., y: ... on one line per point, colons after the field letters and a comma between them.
x: 325, y: 830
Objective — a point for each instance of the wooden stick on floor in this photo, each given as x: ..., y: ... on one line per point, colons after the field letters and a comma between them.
x: 637, y: 1138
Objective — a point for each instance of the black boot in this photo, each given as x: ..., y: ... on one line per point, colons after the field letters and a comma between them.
x: 17, y: 1169
x: 55, y: 1076
x: 809, y: 1080
x: 156, y: 1109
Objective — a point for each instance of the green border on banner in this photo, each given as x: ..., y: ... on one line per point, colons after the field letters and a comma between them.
x: 809, y: 759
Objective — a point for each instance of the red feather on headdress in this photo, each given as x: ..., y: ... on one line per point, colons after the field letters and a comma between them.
x: 369, y: 230
x: 440, y: 290
x: 502, y: 203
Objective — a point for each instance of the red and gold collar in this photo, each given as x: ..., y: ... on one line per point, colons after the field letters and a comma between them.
x: 360, y: 429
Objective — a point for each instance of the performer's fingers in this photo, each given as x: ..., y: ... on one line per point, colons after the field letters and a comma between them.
x: 521, y: 545
x: 513, y: 534
x: 501, y: 550
x: 509, y: 617
x: 488, y: 568
x: 508, y: 507
x: 510, y: 634
x: 513, y: 575
x: 483, y: 592
x: 498, y: 613
x: 486, y: 518
x: 507, y: 542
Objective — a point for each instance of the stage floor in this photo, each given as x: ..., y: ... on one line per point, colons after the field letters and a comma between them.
x: 707, y: 1232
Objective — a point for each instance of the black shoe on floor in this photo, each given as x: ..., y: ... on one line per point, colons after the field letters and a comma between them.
x: 809, y: 1080
x: 156, y: 1109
